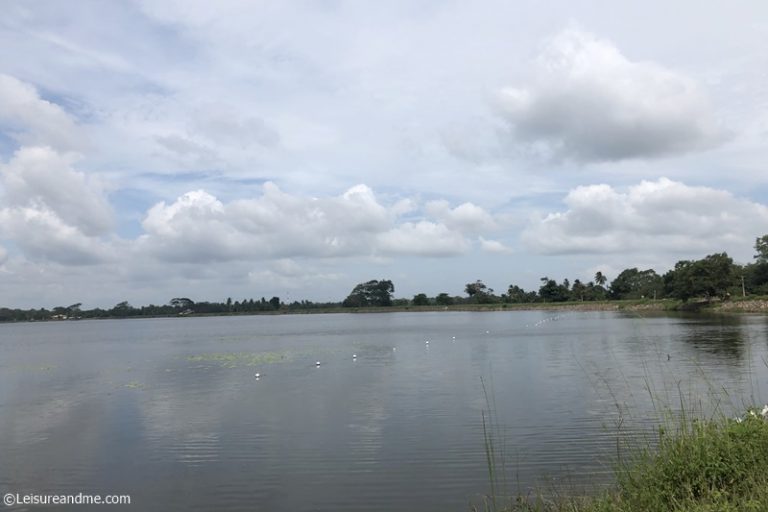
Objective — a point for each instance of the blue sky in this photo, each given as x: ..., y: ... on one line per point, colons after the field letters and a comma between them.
x: 152, y: 149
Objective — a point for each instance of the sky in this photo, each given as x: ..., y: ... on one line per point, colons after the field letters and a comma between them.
x: 164, y: 148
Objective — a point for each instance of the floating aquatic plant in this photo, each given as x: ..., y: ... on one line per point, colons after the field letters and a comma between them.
x: 236, y: 359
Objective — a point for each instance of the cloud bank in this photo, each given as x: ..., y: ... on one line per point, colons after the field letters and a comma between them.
x: 135, y: 139
x: 198, y: 227
x: 588, y: 102
x: 50, y: 209
x: 662, y: 216
x: 31, y: 120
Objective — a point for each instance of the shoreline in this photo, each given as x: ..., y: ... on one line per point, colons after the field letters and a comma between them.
x: 737, y: 306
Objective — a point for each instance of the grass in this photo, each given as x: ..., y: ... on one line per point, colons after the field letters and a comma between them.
x: 694, y: 462
x: 708, y: 466
x: 739, y: 298
x: 698, y: 458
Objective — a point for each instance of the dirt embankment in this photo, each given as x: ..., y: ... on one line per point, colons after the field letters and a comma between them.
x: 649, y: 306
x: 744, y: 306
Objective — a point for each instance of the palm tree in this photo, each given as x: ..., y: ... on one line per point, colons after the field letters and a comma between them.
x: 578, y: 289
x: 600, y: 278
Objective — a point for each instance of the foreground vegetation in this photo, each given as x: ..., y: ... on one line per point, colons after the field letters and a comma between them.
x: 705, y: 466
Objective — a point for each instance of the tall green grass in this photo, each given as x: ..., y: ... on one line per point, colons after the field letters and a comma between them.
x: 721, y: 463
x: 690, y: 455
x: 697, y: 460
x: 701, y: 466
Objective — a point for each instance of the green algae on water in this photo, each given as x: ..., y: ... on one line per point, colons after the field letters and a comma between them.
x: 237, y: 359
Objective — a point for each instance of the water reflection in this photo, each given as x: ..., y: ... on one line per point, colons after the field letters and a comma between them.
x: 170, y: 412
x: 721, y: 335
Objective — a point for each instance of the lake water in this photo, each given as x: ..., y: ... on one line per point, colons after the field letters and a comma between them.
x: 169, y: 411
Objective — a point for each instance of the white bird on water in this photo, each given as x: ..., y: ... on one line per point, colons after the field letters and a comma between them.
x: 257, y: 375
x: 317, y: 363
x: 354, y: 356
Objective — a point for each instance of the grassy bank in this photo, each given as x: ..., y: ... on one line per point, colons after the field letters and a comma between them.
x: 606, y: 305
x: 704, y: 466
x: 740, y: 304
x: 737, y: 305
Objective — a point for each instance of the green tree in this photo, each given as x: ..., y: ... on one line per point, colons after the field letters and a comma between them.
x: 420, y: 299
x: 595, y: 292
x: 122, y: 309
x: 635, y: 284
x: 371, y: 293
x: 550, y: 291
x: 480, y: 293
x: 756, y: 278
x: 443, y: 299
x: 274, y: 302
x: 578, y: 290
x: 761, y: 249
x: 600, y: 279
x: 473, y: 289
x: 516, y: 294
x: 707, y: 278
x: 181, y: 303
x: 755, y: 275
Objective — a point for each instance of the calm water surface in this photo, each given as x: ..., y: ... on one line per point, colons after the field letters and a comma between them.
x: 169, y: 410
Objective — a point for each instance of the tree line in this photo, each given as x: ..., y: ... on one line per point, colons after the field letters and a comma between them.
x: 178, y: 306
x: 714, y: 277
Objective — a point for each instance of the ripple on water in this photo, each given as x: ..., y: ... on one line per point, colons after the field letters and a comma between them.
x: 395, y: 430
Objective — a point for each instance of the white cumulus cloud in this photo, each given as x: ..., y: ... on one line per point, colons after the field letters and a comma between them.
x: 588, y: 102
x: 51, y: 210
x: 494, y: 246
x: 289, y: 274
x: 31, y: 120
x: 662, y: 216
x: 423, y: 238
x: 42, y: 235
x: 466, y: 217
x: 44, y: 178
x: 199, y: 227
